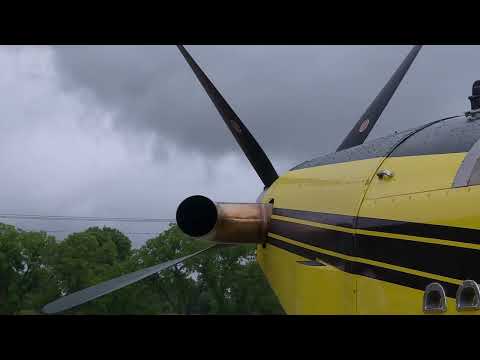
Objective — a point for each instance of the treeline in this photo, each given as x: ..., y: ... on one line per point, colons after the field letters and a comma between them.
x: 35, y: 269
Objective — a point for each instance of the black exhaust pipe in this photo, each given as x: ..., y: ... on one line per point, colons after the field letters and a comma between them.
x: 227, y: 223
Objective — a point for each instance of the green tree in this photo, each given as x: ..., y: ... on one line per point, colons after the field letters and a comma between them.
x: 222, y: 281
x: 36, y: 269
x: 27, y: 279
x: 235, y: 282
x: 38, y: 284
x: 10, y: 268
x: 87, y: 258
x: 106, y: 235
x: 173, y: 290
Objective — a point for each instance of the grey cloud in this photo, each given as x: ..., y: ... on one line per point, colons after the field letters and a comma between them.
x: 298, y: 101
x: 60, y: 156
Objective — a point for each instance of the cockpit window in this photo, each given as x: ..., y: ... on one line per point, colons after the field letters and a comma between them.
x: 469, y: 172
x: 380, y: 147
x: 450, y: 135
x: 453, y: 135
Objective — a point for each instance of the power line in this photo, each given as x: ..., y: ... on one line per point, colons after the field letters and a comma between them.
x: 83, y: 218
x: 70, y: 231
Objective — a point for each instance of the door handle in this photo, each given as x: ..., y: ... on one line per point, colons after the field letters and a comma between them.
x: 384, y: 174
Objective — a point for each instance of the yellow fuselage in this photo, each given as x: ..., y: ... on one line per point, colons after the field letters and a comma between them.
x: 344, y: 241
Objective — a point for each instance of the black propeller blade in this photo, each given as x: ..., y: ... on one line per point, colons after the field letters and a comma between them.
x: 96, y: 291
x: 368, y: 120
x: 247, y: 142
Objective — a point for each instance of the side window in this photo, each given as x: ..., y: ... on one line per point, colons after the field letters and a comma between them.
x: 469, y: 172
x: 428, y: 160
x: 377, y: 148
x: 456, y: 135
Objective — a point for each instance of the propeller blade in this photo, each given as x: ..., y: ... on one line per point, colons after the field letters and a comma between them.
x: 247, y: 142
x: 362, y: 128
x: 96, y: 291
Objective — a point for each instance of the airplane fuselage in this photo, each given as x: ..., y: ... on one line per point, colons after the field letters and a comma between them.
x: 367, y: 229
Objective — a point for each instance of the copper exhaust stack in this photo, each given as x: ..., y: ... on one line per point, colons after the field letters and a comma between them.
x: 228, y: 223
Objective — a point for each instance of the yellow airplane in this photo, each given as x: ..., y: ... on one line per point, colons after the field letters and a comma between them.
x: 389, y: 226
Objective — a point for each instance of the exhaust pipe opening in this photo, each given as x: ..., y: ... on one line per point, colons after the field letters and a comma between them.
x: 226, y: 223
x: 197, y: 216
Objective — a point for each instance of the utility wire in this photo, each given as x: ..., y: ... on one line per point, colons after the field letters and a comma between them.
x: 86, y: 218
x: 82, y: 218
x: 72, y: 231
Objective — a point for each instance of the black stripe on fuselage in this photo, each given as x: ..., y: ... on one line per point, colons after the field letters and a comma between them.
x: 441, y: 232
x: 323, y: 218
x: 370, y: 271
x: 449, y: 261
x: 337, y: 241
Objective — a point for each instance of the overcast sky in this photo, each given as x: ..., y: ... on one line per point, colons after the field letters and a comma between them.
x: 127, y: 131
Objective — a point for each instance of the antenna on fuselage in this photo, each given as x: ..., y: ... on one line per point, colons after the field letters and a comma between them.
x: 475, y: 98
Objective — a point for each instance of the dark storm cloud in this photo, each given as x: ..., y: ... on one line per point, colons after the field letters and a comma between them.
x: 298, y: 101
x: 60, y: 156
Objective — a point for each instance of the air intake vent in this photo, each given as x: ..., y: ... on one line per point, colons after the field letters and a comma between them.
x: 468, y: 296
x: 434, y: 299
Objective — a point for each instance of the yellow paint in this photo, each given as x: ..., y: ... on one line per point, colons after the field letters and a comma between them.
x: 337, y: 189
x: 279, y: 267
x: 452, y: 207
x: 414, y: 174
x: 322, y: 290
x: 304, y: 290
x: 376, y: 297
x: 420, y: 191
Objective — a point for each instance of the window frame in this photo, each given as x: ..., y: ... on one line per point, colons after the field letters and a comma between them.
x: 468, y: 173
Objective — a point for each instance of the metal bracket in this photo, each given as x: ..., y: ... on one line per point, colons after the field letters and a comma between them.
x: 310, y: 263
x: 472, y: 115
x: 385, y: 174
